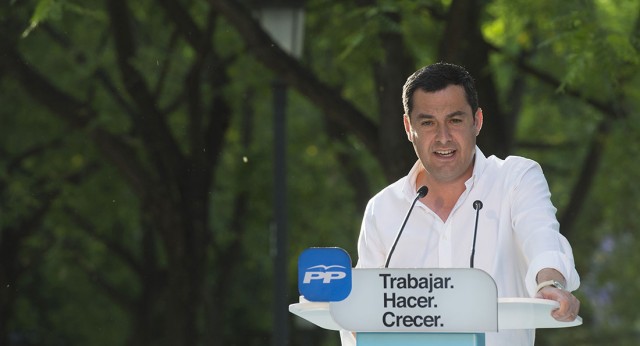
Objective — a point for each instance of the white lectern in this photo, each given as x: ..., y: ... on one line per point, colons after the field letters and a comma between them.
x: 427, y: 307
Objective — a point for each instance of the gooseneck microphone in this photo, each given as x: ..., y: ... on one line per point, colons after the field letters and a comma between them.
x: 421, y: 193
x: 477, y: 205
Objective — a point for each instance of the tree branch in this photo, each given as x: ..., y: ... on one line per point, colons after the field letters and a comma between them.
x: 201, y: 42
x: 584, y: 183
x: 115, y: 247
x: 74, y: 113
x: 149, y: 122
x: 109, y: 289
x: 289, y: 70
x: 609, y: 109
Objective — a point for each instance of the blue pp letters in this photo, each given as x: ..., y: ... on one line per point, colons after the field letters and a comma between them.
x: 324, y: 274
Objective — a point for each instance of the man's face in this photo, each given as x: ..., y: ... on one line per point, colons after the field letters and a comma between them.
x: 443, y: 131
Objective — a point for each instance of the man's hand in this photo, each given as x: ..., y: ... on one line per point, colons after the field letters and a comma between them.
x: 569, y: 304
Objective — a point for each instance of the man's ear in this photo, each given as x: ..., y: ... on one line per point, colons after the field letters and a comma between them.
x: 477, y: 120
x: 407, y: 127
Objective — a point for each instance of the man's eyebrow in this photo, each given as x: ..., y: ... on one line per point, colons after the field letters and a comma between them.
x: 456, y: 113
x: 450, y: 115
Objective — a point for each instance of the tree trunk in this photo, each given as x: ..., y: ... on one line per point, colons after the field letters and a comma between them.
x: 462, y: 43
x: 397, y: 154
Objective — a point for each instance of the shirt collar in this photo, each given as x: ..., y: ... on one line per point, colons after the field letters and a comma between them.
x: 479, y: 164
x: 409, y: 189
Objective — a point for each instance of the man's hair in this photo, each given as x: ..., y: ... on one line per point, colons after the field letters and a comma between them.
x: 436, y: 77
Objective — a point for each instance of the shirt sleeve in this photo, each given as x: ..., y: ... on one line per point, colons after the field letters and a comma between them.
x: 537, y: 230
x: 371, y: 253
x: 347, y: 338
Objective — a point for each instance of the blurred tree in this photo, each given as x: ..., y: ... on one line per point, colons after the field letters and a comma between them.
x: 152, y: 174
x: 164, y: 140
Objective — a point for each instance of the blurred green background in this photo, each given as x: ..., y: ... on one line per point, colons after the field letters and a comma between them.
x: 137, y: 160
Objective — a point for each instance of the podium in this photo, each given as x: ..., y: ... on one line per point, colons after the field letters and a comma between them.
x: 412, y: 307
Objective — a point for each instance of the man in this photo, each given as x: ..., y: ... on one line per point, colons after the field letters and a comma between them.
x: 518, y: 240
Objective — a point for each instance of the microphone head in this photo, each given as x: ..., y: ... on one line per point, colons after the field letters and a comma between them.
x: 477, y: 205
x: 422, y: 191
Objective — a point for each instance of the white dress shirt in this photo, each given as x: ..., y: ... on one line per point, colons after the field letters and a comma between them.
x: 518, y: 233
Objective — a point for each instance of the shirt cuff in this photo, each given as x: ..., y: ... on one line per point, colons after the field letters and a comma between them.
x: 554, y: 260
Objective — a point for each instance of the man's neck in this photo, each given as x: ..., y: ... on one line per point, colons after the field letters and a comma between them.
x: 442, y: 196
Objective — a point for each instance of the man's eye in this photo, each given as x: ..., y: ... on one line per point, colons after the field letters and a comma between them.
x: 427, y: 123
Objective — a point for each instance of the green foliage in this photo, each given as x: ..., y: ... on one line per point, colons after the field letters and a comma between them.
x: 76, y: 288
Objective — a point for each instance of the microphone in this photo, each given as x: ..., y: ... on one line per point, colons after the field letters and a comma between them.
x: 421, y: 193
x: 477, y: 205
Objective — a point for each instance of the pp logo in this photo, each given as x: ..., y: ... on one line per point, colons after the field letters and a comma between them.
x: 324, y: 274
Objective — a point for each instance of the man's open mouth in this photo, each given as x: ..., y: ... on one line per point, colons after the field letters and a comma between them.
x: 445, y: 153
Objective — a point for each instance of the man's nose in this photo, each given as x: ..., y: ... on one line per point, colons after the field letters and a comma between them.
x: 444, y: 134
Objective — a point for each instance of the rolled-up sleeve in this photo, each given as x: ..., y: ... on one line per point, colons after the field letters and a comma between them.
x: 537, y: 229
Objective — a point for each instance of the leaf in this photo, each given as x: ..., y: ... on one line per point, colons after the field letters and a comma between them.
x: 45, y: 9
